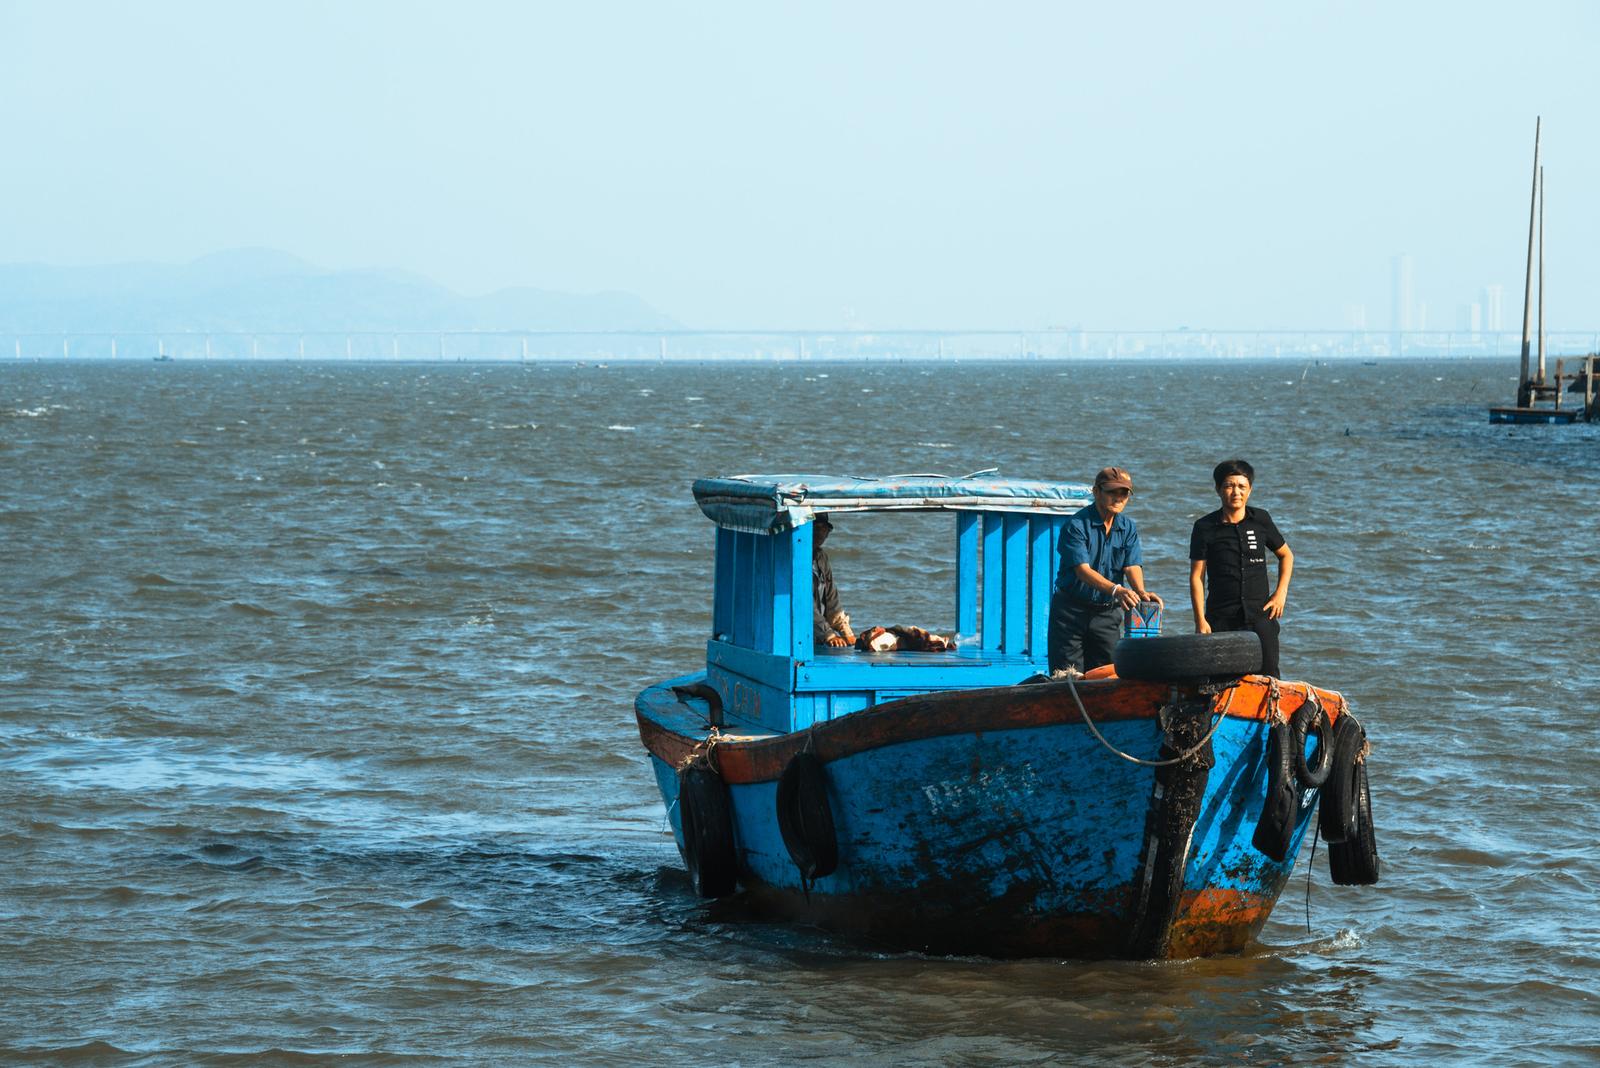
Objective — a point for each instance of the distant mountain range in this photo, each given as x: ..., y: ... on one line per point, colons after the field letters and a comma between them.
x: 263, y: 290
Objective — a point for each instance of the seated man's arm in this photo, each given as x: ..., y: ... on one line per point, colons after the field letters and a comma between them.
x: 829, y: 624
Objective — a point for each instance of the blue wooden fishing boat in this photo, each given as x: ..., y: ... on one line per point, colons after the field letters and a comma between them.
x: 960, y: 801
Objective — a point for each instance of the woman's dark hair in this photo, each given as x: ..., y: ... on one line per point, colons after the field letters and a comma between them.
x: 1233, y: 467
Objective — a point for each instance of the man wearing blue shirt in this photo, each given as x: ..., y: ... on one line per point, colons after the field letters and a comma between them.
x: 1102, y: 576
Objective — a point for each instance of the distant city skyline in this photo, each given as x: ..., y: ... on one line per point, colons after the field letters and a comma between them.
x: 920, y: 347
x: 876, y: 166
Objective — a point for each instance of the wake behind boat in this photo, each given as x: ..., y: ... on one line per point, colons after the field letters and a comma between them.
x: 957, y: 800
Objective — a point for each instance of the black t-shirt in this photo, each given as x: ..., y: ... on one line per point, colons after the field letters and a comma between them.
x: 1236, y: 560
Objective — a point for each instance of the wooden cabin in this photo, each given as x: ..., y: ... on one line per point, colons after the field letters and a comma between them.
x: 761, y: 659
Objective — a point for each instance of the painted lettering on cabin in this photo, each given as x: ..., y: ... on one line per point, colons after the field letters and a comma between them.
x: 745, y: 701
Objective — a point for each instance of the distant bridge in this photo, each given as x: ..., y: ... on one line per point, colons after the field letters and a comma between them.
x: 808, y: 344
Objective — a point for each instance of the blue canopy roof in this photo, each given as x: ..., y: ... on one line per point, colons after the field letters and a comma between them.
x: 768, y: 504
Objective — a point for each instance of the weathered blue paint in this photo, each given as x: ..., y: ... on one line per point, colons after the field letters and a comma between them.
x: 1040, y: 580
x: 1002, y: 830
x: 967, y: 574
x: 723, y: 584
x: 1057, y: 525
x: 993, y: 591
x: 802, y: 642
x: 1014, y: 640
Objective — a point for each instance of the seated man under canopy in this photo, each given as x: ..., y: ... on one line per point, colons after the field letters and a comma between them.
x: 829, y: 624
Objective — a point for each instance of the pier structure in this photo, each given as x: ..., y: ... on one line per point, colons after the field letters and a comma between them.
x: 1542, y: 397
x: 1534, y: 387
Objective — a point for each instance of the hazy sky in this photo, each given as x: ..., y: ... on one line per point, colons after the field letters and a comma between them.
x: 754, y: 164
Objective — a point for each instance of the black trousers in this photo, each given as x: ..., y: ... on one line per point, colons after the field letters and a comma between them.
x: 1082, y: 635
x: 1267, y: 629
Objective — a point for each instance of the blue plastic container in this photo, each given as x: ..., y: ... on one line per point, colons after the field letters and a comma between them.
x: 1143, y: 622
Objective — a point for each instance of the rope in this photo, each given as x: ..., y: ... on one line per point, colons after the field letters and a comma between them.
x: 1180, y: 758
x: 1316, y: 704
x: 705, y: 751
x: 1316, y: 832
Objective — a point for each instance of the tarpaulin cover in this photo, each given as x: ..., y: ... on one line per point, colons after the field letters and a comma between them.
x: 769, y: 504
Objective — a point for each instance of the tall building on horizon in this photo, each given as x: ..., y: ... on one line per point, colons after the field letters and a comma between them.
x: 1401, y: 306
x: 1494, y: 307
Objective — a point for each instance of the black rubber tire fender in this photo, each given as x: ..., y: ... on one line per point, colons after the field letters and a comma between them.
x: 707, y: 818
x: 1337, y: 816
x: 1275, y: 829
x: 805, y: 817
x: 1355, y: 862
x: 1310, y: 720
x: 1188, y: 657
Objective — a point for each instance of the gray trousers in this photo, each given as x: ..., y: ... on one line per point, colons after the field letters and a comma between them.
x: 1082, y: 635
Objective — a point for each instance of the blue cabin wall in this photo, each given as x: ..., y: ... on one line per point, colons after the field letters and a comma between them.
x: 967, y: 524
x: 762, y: 659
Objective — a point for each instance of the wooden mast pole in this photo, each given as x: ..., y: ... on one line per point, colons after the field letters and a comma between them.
x: 1523, y: 392
x: 1541, y: 276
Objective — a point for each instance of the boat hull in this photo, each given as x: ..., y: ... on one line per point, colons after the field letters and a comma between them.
x: 996, y: 822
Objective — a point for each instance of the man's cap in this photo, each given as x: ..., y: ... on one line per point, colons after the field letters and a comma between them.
x: 822, y: 520
x: 1113, y: 478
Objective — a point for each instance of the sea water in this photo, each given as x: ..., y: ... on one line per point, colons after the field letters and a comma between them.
x: 317, y: 739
